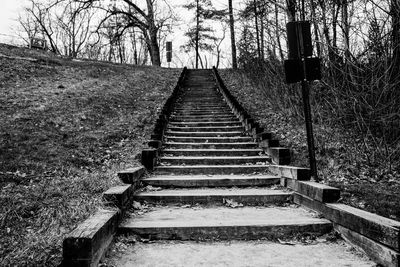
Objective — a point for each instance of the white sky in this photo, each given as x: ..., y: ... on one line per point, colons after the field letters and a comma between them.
x: 9, y: 10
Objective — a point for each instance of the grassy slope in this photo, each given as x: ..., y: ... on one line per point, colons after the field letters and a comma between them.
x: 66, y: 128
x: 341, y: 160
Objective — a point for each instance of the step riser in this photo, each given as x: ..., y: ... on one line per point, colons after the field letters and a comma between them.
x: 193, y: 119
x: 200, y: 114
x: 205, y: 124
x: 205, y: 129
x: 245, y: 232
x: 211, y: 170
x: 213, y: 161
x: 205, y: 134
x: 210, y: 146
x: 198, y: 153
x: 205, y: 139
x: 257, y: 200
x: 212, y: 183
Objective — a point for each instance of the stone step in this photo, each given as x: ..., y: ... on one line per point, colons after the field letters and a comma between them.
x: 221, y: 160
x: 189, y: 101
x: 183, y: 112
x: 207, y: 139
x: 212, y: 152
x: 206, y: 124
x: 224, y: 223
x: 205, y: 113
x: 211, y: 145
x: 228, y: 115
x: 185, y: 106
x: 210, y: 119
x: 204, y: 134
x: 208, y: 196
x: 212, y: 169
x: 206, y: 129
x: 211, y: 180
x: 192, y: 139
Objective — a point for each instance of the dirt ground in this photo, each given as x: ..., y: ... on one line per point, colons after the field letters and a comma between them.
x: 67, y: 127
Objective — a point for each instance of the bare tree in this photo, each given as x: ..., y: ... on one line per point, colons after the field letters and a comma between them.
x: 232, y: 29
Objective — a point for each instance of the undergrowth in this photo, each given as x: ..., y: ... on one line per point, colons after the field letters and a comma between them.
x: 343, y: 156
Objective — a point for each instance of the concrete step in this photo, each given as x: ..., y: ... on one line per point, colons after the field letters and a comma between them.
x: 202, y: 113
x: 208, y: 196
x: 205, y: 124
x: 197, y: 119
x: 221, y: 160
x: 207, y: 139
x: 223, y: 223
x: 205, y: 129
x: 195, y: 101
x: 228, y: 115
x: 185, y: 106
x: 212, y: 152
x: 211, y: 180
x: 236, y: 253
x: 204, y: 134
x: 211, y: 145
x: 212, y: 169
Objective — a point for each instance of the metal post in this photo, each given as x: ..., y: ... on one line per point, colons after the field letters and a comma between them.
x: 309, y: 128
x: 305, y: 89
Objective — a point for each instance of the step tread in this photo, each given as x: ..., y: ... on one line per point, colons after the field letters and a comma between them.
x: 236, y: 253
x: 214, y: 157
x: 168, y: 150
x: 217, y: 192
x: 208, y: 177
x: 174, y: 216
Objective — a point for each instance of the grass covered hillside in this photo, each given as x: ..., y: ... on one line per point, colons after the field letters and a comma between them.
x: 66, y: 128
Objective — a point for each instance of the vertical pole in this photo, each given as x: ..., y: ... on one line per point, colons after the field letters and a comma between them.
x: 197, y: 33
x: 309, y: 128
x: 305, y: 89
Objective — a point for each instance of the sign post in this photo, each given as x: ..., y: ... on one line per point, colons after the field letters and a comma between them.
x: 302, y: 67
x: 169, y: 52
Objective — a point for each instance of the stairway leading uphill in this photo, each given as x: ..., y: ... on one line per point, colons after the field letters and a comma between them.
x: 214, y: 184
x: 209, y: 159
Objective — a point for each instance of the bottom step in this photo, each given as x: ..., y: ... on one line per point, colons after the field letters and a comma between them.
x: 222, y: 223
x: 235, y: 254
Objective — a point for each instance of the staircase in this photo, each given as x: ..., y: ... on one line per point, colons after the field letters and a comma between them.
x: 210, y: 162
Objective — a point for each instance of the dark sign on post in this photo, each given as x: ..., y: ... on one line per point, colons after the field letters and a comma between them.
x: 302, y: 67
x: 299, y: 38
x: 169, y: 51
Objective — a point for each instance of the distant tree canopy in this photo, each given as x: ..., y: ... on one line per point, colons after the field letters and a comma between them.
x: 202, y: 37
x: 95, y: 25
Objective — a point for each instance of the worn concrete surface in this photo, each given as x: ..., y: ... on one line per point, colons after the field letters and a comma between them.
x: 235, y: 253
x: 175, y: 216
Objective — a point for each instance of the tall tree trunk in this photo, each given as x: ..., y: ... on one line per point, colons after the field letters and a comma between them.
x: 395, y: 62
x: 154, y: 48
x: 291, y: 9
x: 262, y: 35
x: 277, y: 32
x: 153, y: 35
x: 346, y: 30
x: 233, y: 44
x: 197, y: 33
x: 325, y: 30
x: 316, y: 33
x: 257, y: 31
